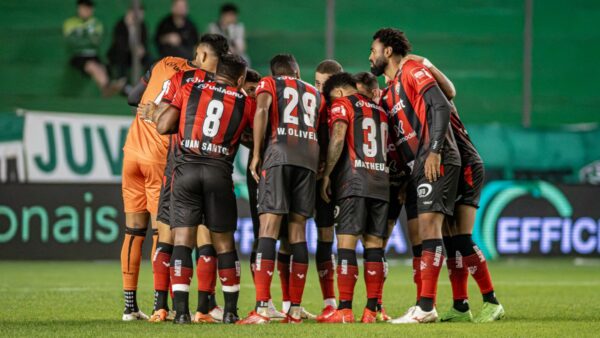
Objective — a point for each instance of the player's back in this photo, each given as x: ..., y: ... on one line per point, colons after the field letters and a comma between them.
x: 296, y: 110
x: 362, y: 170
x: 466, y: 148
x: 143, y: 140
x: 212, y: 118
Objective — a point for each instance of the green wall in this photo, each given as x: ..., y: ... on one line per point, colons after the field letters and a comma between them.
x: 478, y: 43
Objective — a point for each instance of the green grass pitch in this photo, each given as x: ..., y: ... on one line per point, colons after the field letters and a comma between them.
x: 542, y: 298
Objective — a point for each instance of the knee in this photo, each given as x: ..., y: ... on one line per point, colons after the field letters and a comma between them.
x: 268, y: 230
x: 372, y: 242
x: 224, y: 243
x: 325, y: 234
x: 184, y: 237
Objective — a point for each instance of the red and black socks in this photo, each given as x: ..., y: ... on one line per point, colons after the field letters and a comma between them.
x: 283, y: 268
x: 325, y: 268
x: 476, y: 265
x: 160, y: 268
x: 432, y: 259
x: 458, y: 275
x: 347, y: 275
x: 206, y: 272
x: 298, y: 271
x: 416, y: 265
x: 229, y: 274
x: 263, y: 270
x: 181, y: 277
x: 374, y: 274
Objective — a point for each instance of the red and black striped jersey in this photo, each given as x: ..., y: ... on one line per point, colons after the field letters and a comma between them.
x: 182, y: 78
x: 294, y: 118
x: 404, y: 101
x: 362, y: 169
x: 175, y: 83
x: 212, y: 118
x: 466, y: 148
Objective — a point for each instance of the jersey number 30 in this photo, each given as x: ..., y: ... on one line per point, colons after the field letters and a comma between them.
x: 370, y: 144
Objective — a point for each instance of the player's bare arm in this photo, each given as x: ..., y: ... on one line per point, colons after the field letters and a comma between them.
x: 443, y: 81
x: 336, y: 146
x: 168, y: 121
x: 263, y: 103
x: 135, y: 96
x: 440, y: 110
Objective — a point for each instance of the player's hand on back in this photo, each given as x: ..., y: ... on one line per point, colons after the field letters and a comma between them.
x: 146, y: 111
x: 432, y: 166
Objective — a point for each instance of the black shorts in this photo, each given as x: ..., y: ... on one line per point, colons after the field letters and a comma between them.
x: 360, y: 216
x: 324, y: 212
x: 470, y: 184
x: 78, y: 62
x: 410, y: 202
x: 285, y: 189
x: 203, y: 194
x: 438, y: 196
x: 164, y: 201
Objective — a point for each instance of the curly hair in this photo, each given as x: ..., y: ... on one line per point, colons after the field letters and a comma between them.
x: 391, y: 37
x: 336, y: 81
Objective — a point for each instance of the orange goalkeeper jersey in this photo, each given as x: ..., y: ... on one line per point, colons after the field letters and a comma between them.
x: 143, y: 140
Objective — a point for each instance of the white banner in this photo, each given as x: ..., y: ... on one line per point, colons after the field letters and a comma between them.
x: 12, y: 168
x: 62, y: 147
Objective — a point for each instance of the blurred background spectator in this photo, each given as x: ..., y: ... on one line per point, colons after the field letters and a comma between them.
x: 234, y: 31
x: 83, y: 34
x: 176, y: 34
x: 120, y: 55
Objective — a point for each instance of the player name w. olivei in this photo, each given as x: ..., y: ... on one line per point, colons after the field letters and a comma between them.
x: 311, y: 135
x: 371, y: 166
x: 205, y: 146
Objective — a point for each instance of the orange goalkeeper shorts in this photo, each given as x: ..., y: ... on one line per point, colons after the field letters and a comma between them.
x: 141, y: 182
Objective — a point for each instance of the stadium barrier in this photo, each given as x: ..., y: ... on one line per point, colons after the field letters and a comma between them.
x: 74, y: 221
x: 47, y: 213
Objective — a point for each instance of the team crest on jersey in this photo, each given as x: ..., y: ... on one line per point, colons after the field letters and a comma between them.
x: 421, y: 75
x: 339, y: 110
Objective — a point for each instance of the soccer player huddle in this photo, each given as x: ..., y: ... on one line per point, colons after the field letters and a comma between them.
x: 344, y: 151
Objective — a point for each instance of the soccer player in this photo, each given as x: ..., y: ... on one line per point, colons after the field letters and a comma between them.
x: 143, y: 165
x: 464, y: 256
x: 287, y: 179
x: 209, y: 118
x: 421, y: 118
x: 324, y: 211
x: 252, y: 81
x: 360, y: 185
x: 400, y: 193
x: 208, y: 52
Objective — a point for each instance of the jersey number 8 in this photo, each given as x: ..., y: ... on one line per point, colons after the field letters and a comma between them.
x: 212, y: 122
